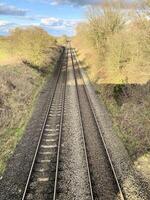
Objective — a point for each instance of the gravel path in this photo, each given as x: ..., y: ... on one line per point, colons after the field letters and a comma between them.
x: 72, y: 180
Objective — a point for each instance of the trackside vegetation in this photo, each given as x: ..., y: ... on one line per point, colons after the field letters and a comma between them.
x: 32, y: 45
x: 114, y: 47
x: 27, y: 56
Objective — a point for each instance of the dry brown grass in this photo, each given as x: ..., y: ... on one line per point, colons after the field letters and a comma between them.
x: 19, y: 87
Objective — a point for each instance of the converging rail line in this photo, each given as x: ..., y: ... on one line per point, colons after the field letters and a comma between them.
x: 43, y: 180
x: 109, y: 193
x: 85, y: 150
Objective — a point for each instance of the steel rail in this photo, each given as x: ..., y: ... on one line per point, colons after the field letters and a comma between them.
x: 122, y: 195
x: 60, y: 133
x: 82, y: 129
x: 42, y: 130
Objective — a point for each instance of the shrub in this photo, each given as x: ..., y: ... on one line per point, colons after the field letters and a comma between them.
x: 30, y: 44
x: 62, y: 40
x: 123, y: 54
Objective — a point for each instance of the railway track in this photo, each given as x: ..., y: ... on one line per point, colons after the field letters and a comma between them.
x: 44, y: 179
x: 104, y: 181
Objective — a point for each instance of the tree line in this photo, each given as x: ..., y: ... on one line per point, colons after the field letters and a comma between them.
x: 115, y: 39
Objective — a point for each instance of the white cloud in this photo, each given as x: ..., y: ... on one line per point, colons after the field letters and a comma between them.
x: 50, y: 21
x: 54, y: 3
x: 59, y: 26
x: 6, y: 26
x: 57, y: 23
x: 11, y: 10
x: 3, y: 23
x: 74, y: 2
x: 89, y: 2
x: 50, y: 24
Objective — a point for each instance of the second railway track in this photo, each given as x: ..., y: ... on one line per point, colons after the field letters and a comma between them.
x: 105, y: 185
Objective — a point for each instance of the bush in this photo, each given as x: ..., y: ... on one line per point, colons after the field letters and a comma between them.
x: 62, y: 40
x: 123, y: 54
x: 30, y: 44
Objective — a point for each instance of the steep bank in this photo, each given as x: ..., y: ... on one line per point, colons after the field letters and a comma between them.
x: 20, y: 85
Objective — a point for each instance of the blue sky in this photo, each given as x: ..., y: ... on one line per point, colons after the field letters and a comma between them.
x: 55, y: 16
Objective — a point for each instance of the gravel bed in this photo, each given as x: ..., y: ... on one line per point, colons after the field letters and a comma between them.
x: 13, y: 181
x: 134, y: 187
x: 72, y: 180
x: 43, y: 190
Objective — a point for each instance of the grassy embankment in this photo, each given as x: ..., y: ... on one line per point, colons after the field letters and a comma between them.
x: 26, y: 56
x: 114, y: 46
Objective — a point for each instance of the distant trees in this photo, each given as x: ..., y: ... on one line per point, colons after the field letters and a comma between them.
x: 31, y: 44
x: 103, y: 24
x: 62, y: 40
x: 121, y: 42
x: 147, y: 2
